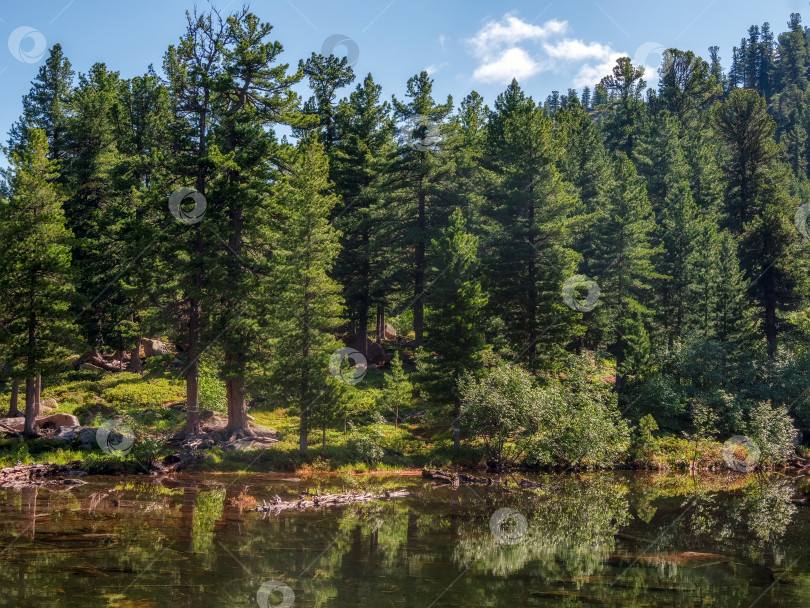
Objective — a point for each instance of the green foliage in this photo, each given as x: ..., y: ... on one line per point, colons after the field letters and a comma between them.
x: 397, y: 390
x: 772, y: 430
x: 645, y: 444
x: 502, y: 407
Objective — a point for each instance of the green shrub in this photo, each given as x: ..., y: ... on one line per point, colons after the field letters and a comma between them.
x: 502, y: 408
x: 645, y: 444
x: 771, y: 428
x: 364, y: 448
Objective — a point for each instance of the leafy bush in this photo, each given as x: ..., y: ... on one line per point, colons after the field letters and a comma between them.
x: 503, y: 408
x: 645, y: 444
x: 366, y: 449
x: 581, y: 424
x: 771, y: 428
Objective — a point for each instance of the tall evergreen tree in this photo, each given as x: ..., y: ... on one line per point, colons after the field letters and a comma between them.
x: 47, y: 105
x: 420, y: 173
x: 759, y: 207
x: 621, y: 261
x: 307, y: 309
x: 530, y: 210
x: 455, y: 313
x: 35, y: 267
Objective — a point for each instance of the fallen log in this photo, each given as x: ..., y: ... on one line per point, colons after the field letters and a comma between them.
x: 42, y: 474
x: 325, y: 500
x: 458, y: 478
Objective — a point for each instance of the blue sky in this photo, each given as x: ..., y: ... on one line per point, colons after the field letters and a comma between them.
x: 464, y: 44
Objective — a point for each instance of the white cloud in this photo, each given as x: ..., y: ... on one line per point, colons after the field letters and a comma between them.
x: 511, y: 30
x: 577, y: 50
x: 433, y: 68
x: 511, y: 63
x: 590, y: 74
x: 512, y: 48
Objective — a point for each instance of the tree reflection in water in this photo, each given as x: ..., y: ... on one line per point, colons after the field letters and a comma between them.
x: 619, y: 539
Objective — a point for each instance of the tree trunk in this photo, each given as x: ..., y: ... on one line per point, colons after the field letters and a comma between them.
x: 770, y: 320
x: 15, y: 393
x: 380, y: 323
x: 30, y: 413
x: 456, y: 426
x: 235, y: 392
x: 362, y: 330
x: 419, y: 274
x: 192, y: 372
x: 303, y: 427
x: 38, y: 396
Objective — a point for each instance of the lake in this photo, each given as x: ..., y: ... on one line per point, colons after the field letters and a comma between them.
x: 601, y: 539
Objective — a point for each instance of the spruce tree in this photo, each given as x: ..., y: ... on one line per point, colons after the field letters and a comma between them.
x: 621, y: 261
x: 529, y: 213
x: 35, y: 274
x: 306, y: 309
x: 417, y: 208
x: 759, y: 205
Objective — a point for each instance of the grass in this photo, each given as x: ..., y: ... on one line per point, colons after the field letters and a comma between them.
x: 145, y: 402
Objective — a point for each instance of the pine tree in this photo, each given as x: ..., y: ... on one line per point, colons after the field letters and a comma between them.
x: 455, y: 313
x: 626, y: 107
x: 621, y: 261
x: 759, y: 206
x: 791, y: 66
x: 418, y: 176
x: 686, y: 85
x: 359, y: 160
x: 307, y: 308
x: 35, y: 267
x: 326, y: 75
x: 47, y: 106
x: 99, y: 205
x: 397, y: 391
x: 529, y: 212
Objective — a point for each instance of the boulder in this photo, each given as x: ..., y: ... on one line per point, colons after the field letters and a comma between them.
x: 51, y: 421
x: 390, y: 332
x: 86, y: 436
x: 54, y: 421
x: 153, y: 347
x: 15, y: 424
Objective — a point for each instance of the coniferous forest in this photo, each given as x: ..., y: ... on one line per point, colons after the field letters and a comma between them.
x: 615, y: 276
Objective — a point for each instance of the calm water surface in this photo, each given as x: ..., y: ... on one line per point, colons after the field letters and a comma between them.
x: 593, y: 540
